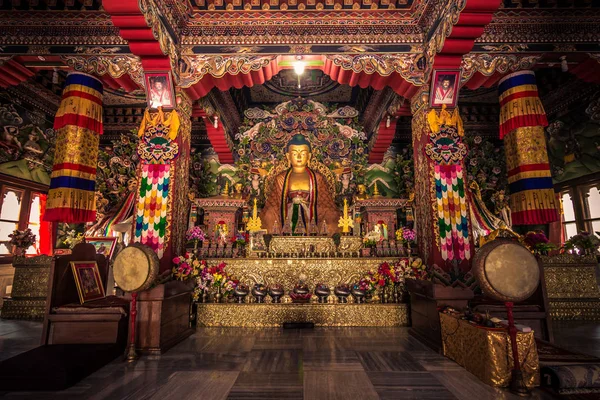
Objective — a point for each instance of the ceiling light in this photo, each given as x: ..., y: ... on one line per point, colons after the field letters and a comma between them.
x: 299, y: 67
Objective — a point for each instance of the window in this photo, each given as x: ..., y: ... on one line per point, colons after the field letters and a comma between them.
x: 19, y: 209
x: 569, y: 220
x: 592, y: 208
x: 10, y: 212
x: 580, y: 207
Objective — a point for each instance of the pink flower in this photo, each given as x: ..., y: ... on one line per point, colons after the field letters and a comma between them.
x: 177, y: 260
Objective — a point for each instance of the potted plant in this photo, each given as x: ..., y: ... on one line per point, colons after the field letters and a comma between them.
x: 538, y: 243
x: 21, y: 241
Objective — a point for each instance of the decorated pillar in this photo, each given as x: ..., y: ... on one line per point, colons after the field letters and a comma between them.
x: 78, y: 125
x: 163, y: 180
x: 522, y: 122
x: 441, y: 207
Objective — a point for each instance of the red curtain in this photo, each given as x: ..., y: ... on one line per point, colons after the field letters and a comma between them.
x: 45, y: 229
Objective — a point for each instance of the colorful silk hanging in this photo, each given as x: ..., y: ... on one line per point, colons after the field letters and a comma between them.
x: 78, y: 124
x: 157, y: 150
x: 447, y: 152
x: 522, y: 122
x: 520, y: 104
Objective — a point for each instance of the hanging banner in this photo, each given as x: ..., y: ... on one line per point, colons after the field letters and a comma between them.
x: 522, y: 122
x: 78, y: 124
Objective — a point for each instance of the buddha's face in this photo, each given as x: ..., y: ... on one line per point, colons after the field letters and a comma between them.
x: 298, y: 155
x: 362, y: 189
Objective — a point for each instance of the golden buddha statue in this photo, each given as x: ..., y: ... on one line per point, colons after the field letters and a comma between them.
x: 362, y: 193
x: 300, y: 194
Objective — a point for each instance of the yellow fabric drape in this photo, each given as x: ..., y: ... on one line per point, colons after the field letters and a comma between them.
x: 486, y: 353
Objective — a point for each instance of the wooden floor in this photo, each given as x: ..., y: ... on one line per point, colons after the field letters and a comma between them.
x: 325, y: 363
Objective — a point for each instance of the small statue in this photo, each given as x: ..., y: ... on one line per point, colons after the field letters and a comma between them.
x: 238, y: 191
x: 362, y: 193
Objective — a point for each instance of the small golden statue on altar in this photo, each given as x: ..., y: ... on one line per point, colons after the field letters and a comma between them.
x: 300, y: 194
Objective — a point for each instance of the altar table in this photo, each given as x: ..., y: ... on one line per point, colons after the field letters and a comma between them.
x: 486, y: 352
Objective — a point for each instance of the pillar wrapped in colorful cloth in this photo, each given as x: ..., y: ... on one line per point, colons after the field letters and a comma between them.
x: 78, y: 124
x: 522, y: 122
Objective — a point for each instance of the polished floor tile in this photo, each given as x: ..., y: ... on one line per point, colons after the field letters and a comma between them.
x: 321, y: 363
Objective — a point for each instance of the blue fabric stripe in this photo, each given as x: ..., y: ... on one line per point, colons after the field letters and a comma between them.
x: 77, y: 79
x: 531, y: 183
x: 525, y: 79
x: 72, y: 183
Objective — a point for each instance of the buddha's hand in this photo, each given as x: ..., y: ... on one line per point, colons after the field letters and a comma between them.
x: 298, y: 200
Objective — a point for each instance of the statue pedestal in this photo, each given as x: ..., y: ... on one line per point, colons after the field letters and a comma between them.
x: 381, y: 209
x: 301, y: 244
x: 216, y: 209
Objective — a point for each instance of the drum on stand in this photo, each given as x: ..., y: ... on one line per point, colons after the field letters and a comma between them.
x: 507, y: 271
x: 135, y: 269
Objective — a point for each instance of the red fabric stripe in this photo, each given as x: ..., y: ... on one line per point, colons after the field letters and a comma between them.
x: 83, y: 95
x: 79, y: 120
x: 522, y: 121
x: 75, y: 167
x: 529, y: 167
x: 534, y: 217
x: 69, y: 215
x: 45, y: 229
x: 519, y: 95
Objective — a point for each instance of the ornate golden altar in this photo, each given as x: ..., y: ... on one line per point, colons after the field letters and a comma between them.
x: 287, y: 272
x: 30, y: 288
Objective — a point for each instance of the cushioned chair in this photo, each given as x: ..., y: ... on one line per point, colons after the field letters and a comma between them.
x: 67, y: 321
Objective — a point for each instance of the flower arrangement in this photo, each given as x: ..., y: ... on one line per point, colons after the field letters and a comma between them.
x: 73, y: 238
x: 215, y: 277
x: 187, y: 266
x: 537, y: 242
x: 406, y: 235
x: 583, y: 243
x: 22, y: 240
x: 369, y: 242
x: 195, y: 234
x: 239, y: 239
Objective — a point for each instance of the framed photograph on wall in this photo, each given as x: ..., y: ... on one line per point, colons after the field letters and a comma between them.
x: 159, y: 90
x: 88, y: 281
x: 104, y: 245
x: 444, y: 88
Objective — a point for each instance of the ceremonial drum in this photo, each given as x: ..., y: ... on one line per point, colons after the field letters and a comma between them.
x: 506, y: 270
x: 135, y: 268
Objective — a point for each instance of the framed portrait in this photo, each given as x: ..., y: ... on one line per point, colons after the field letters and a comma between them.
x: 159, y: 90
x: 104, y: 245
x: 88, y: 280
x: 444, y: 88
x: 257, y: 242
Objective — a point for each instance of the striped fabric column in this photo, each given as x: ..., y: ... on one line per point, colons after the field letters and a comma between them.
x: 522, y: 122
x: 78, y: 124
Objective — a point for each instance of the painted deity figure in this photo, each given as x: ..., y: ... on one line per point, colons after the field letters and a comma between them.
x: 300, y: 194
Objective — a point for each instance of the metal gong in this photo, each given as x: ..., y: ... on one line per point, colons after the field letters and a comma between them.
x: 135, y: 268
x: 506, y: 270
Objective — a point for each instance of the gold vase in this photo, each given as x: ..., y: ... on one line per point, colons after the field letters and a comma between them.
x: 218, y: 295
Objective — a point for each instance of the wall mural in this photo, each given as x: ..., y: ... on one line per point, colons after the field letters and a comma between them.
x: 26, y: 143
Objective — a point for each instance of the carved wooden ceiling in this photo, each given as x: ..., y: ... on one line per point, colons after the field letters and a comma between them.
x: 201, y: 40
